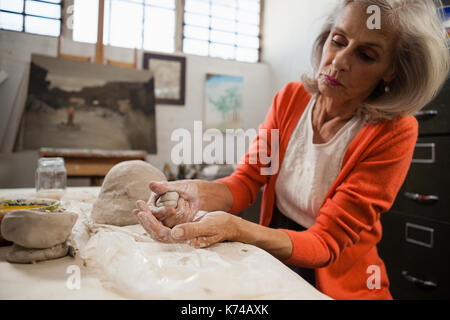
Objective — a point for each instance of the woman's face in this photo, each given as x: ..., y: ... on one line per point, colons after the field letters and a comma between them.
x: 357, y: 57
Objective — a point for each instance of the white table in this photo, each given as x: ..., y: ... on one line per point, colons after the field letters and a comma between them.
x: 51, y: 279
x: 47, y: 279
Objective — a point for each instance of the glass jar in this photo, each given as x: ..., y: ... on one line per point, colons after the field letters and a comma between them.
x: 50, y: 178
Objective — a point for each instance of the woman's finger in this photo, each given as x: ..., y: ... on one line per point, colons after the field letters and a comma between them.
x: 163, y: 213
x: 151, y: 224
x: 158, y: 187
x: 180, y: 207
x: 184, y: 189
x: 192, y: 208
x: 147, y: 225
x: 191, y: 230
x: 152, y: 200
x: 171, y: 219
x: 204, y: 242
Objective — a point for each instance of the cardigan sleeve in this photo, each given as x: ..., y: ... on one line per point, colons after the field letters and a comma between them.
x: 253, y: 172
x: 369, y: 190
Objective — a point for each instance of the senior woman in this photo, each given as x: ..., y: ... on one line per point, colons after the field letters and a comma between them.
x: 346, y: 140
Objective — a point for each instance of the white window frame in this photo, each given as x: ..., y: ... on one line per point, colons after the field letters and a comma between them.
x: 179, y: 28
x: 24, y: 14
x: 144, y: 5
x: 180, y: 37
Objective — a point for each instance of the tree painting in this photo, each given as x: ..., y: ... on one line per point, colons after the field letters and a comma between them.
x: 224, y: 102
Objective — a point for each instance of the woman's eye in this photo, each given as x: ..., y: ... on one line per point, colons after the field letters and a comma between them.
x: 366, y: 57
x: 337, y: 43
x: 362, y: 54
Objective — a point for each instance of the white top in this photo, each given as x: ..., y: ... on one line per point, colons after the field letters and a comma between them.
x: 309, y: 170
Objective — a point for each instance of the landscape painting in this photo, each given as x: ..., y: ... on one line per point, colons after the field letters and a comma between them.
x: 223, y: 102
x: 446, y: 19
x: 81, y: 105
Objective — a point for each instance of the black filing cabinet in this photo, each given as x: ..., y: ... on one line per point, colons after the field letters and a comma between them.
x: 416, y: 232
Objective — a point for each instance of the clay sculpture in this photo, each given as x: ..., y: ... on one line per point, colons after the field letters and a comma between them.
x: 18, y: 254
x: 124, y: 184
x: 38, y: 229
x: 37, y: 234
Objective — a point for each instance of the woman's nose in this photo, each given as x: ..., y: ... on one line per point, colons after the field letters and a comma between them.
x: 342, y: 61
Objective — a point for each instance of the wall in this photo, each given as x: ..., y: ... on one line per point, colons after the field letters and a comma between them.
x: 18, y: 46
x: 290, y: 28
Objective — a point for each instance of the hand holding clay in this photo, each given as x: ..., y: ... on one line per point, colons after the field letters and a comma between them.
x: 153, y: 226
x: 169, y: 199
x: 174, y: 203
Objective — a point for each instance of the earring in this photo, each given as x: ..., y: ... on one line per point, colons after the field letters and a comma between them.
x: 387, y: 89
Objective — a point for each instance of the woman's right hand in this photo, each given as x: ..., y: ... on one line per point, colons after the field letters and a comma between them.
x: 187, y: 204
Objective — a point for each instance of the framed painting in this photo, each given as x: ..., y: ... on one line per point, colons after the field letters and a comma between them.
x: 82, y: 105
x: 170, y: 77
x: 444, y: 13
x: 223, y: 102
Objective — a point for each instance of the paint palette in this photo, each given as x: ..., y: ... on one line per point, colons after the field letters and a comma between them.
x: 19, y: 204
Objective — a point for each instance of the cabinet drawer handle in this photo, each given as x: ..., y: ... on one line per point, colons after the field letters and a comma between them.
x: 426, y: 113
x: 426, y: 284
x: 420, y: 198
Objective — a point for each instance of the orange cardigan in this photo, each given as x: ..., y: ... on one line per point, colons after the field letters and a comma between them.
x: 341, y: 245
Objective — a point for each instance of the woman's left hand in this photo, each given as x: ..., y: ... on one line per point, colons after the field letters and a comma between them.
x: 213, y: 228
x: 153, y: 226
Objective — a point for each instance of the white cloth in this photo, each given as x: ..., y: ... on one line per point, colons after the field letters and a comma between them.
x: 309, y: 170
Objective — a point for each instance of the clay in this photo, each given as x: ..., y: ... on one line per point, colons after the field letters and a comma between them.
x: 37, y: 229
x: 124, y: 184
x: 18, y: 254
x: 169, y: 199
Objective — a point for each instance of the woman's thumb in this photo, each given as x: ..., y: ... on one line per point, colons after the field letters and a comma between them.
x: 159, y: 187
x: 187, y: 231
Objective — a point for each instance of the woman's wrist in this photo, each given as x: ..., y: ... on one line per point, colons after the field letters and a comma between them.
x: 214, y: 196
x: 237, y: 228
x: 276, y: 242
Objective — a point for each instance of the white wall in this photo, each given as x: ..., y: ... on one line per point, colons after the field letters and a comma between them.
x: 290, y: 28
x: 256, y: 94
x: 256, y: 97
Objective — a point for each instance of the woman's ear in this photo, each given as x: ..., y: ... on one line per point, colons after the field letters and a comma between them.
x: 389, y: 75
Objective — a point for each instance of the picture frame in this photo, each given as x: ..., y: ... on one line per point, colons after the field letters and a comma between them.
x: 223, y: 102
x: 446, y: 18
x: 170, y: 77
x: 82, y: 105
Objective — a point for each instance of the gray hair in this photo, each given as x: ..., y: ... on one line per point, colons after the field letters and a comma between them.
x: 421, y: 61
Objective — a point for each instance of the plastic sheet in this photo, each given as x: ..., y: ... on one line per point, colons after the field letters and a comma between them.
x: 129, y: 262
x: 138, y: 267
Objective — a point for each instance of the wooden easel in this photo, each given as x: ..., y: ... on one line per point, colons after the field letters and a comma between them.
x: 70, y: 56
x: 132, y: 65
x: 93, y: 164
x: 99, y: 47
